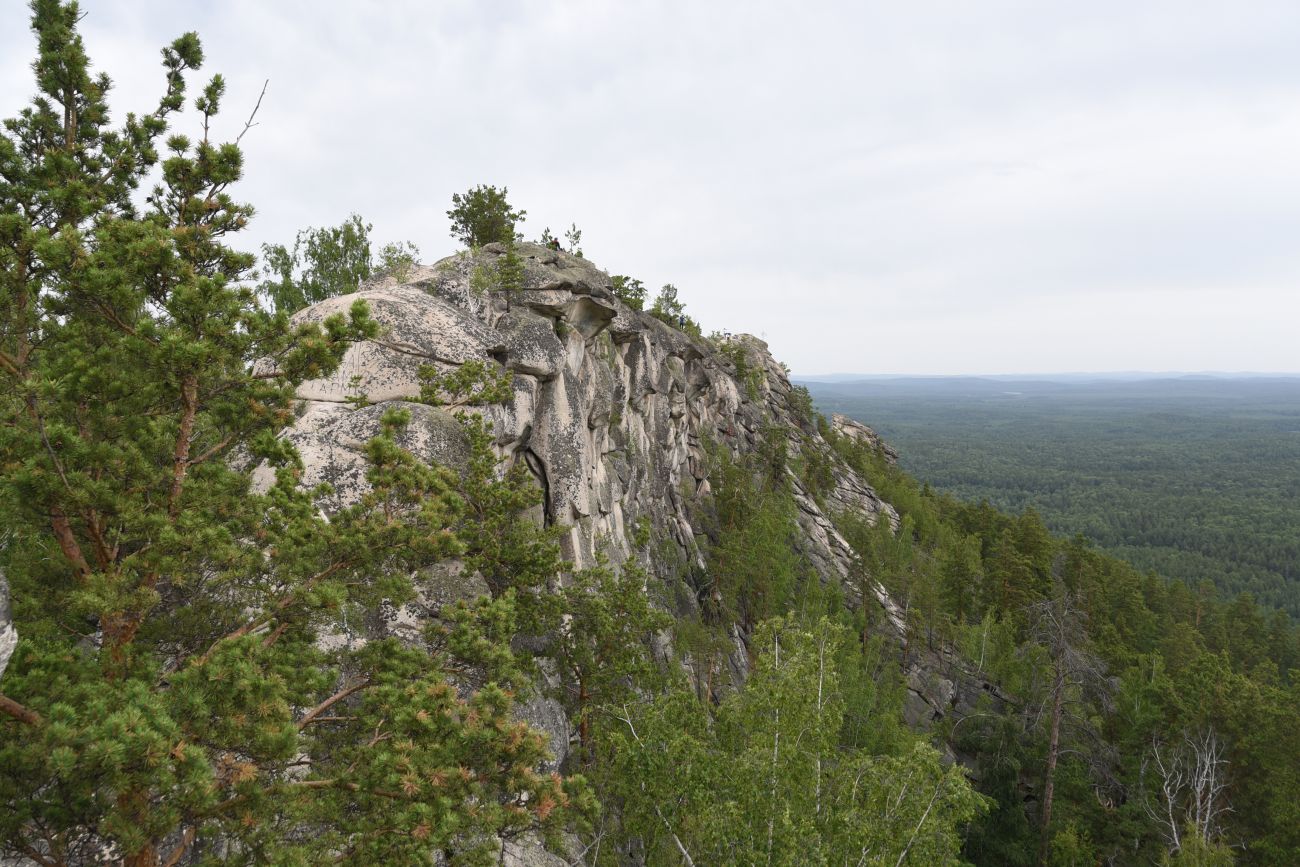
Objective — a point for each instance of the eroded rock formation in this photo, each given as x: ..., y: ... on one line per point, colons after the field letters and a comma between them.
x: 613, y: 411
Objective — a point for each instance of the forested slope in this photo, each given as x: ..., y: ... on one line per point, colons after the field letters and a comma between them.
x: 1150, y: 669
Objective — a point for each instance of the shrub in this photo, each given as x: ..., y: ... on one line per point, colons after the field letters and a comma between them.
x: 629, y: 290
x: 668, y: 308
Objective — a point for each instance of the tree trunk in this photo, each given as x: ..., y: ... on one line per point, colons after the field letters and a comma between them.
x: 1053, y: 750
x: 584, y: 721
x: 146, y: 857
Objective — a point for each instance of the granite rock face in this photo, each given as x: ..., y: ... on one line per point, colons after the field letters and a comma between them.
x: 8, y: 635
x: 613, y: 412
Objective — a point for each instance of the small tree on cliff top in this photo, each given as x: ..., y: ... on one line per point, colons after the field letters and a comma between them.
x: 169, y: 680
x: 482, y: 215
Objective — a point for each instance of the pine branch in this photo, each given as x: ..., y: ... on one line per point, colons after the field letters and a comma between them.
x: 212, y: 452
x: 19, y: 712
x: 314, y: 713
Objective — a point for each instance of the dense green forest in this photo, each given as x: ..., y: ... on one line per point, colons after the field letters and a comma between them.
x: 1150, y: 664
x: 175, y: 698
x: 1197, y: 478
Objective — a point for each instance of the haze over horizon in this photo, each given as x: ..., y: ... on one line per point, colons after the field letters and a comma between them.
x: 936, y: 188
x: 1051, y: 374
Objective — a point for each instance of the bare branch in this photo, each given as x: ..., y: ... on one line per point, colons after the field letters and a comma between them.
x: 248, y: 124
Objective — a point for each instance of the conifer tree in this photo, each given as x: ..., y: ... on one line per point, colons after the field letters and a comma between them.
x: 482, y: 215
x: 170, y: 695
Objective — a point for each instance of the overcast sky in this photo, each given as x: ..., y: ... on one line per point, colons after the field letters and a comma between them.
x: 875, y: 187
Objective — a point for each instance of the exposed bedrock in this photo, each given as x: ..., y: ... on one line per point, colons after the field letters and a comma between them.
x: 613, y: 412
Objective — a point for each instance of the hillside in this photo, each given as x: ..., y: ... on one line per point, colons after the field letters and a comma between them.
x: 741, y: 572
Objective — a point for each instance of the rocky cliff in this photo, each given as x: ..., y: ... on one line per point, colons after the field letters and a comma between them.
x: 613, y: 412
x: 612, y: 409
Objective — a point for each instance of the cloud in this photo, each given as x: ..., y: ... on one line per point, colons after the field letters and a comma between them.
x: 939, y: 187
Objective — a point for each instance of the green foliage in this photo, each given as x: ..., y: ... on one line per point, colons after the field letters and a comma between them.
x: 602, y: 644
x: 504, y: 274
x: 512, y: 553
x: 398, y: 259
x: 752, y: 567
x: 1185, y: 662
x: 474, y: 383
x: 322, y: 263
x: 171, y: 687
x: 669, y: 309
x: 573, y: 235
x: 1192, y: 479
x: 1071, y: 848
x: 482, y: 215
x: 629, y: 290
x: 1199, y: 853
x: 510, y: 270
x: 767, y: 779
x: 801, y: 405
x: 746, y: 372
x: 327, y: 262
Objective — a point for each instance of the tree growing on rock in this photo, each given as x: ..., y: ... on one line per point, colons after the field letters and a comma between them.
x: 629, y: 290
x: 482, y: 215
x: 667, y: 307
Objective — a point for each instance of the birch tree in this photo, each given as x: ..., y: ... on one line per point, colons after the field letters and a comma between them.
x: 1187, y: 797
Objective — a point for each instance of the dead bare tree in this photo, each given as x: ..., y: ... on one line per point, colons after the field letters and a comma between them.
x: 1191, y: 777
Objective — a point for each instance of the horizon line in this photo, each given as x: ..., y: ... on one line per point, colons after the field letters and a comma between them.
x: 1145, y: 373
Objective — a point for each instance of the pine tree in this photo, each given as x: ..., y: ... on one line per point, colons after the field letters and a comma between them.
x: 170, y: 693
x: 482, y: 215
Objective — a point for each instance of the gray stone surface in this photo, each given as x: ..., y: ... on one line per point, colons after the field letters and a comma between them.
x: 856, y: 430
x: 531, y: 347
x: 612, y: 407
x: 8, y: 635
x: 611, y: 412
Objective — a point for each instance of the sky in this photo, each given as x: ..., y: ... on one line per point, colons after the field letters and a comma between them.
x: 873, y: 187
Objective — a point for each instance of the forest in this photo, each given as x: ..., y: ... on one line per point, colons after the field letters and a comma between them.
x: 1196, y: 478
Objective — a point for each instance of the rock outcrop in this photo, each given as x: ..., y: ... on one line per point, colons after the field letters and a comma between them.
x: 856, y: 430
x: 614, y: 412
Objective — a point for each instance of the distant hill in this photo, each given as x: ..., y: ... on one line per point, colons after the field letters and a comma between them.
x: 1076, y: 376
